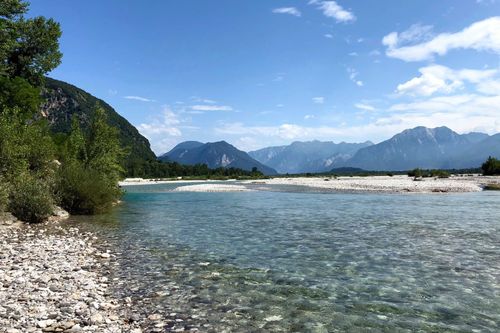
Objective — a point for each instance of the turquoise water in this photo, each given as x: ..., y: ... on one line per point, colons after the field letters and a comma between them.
x: 278, y: 261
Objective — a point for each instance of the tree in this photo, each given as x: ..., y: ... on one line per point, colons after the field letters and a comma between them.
x: 104, y: 151
x: 491, y: 167
x: 87, y: 181
x: 29, y: 48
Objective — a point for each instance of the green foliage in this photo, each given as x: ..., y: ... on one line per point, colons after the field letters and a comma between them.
x: 439, y: 173
x: 491, y: 167
x: 103, y: 147
x: 85, y: 191
x: 87, y: 180
x: 69, y: 104
x: 24, y: 145
x: 492, y: 187
x: 31, y: 199
x: 17, y: 92
x: 417, y: 173
x: 29, y: 47
x: 4, y: 195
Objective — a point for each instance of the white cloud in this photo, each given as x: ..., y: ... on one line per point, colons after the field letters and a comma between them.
x: 309, y: 116
x: 330, y: 36
x: 162, y: 131
x: 208, y: 101
x: 489, y: 87
x: 480, y: 36
x: 353, y: 74
x: 287, y: 10
x: 364, y: 107
x: 334, y: 10
x: 139, y: 98
x: 441, y: 79
x: 202, y: 108
x: 353, y: 54
x: 318, y: 100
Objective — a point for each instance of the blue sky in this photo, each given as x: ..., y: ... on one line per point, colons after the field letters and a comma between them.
x: 260, y: 73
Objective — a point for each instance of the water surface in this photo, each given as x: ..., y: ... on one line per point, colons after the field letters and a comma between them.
x: 301, y: 261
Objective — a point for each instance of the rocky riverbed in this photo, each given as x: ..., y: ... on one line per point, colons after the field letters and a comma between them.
x: 59, y: 279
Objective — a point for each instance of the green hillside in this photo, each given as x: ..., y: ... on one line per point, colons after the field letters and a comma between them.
x: 64, y: 101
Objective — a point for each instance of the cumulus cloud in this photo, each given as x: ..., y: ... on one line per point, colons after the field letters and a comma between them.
x: 162, y: 131
x: 441, y: 79
x: 480, y: 36
x: 287, y: 10
x: 334, y: 10
x: 139, y: 98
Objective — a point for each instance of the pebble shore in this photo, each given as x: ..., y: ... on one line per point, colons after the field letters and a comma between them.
x: 382, y: 184
x: 57, y: 280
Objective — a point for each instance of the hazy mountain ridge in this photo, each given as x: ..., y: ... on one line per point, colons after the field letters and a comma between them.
x: 214, y: 155
x: 310, y: 156
x: 428, y: 148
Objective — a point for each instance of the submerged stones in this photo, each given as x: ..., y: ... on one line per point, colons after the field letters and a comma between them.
x: 44, y: 288
x: 58, y: 280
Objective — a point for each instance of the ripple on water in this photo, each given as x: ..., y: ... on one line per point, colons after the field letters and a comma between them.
x: 310, y: 262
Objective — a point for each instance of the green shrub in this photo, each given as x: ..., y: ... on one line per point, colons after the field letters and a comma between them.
x: 440, y: 174
x: 491, y: 167
x: 492, y: 187
x: 4, y: 196
x: 416, y: 173
x: 85, y: 191
x: 30, y: 199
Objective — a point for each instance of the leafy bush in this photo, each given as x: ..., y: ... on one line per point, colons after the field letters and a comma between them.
x: 4, y: 196
x: 439, y: 174
x: 85, y: 191
x: 415, y: 173
x: 491, y: 167
x: 31, y: 199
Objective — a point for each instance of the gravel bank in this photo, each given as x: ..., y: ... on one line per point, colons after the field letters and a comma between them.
x: 212, y: 188
x: 395, y: 184
x: 57, y: 280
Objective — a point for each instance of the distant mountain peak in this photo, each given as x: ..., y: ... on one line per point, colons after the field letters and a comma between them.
x: 214, y: 155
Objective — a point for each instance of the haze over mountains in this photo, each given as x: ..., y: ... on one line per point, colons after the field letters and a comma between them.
x: 420, y: 147
x: 436, y: 148
x: 214, y: 155
x: 312, y: 156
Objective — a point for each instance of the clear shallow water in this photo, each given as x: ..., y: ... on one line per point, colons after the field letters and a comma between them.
x: 311, y: 262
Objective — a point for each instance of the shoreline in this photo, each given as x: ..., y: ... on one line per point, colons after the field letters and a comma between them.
x: 57, y: 278
x: 371, y: 184
x: 54, y: 282
x: 381, y: 184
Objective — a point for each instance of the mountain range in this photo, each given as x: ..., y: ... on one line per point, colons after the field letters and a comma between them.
x: 214, y: 155
x: 311, y: 156
x: 428, y: 148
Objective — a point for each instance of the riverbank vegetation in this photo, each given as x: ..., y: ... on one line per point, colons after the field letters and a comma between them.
x: 37, y: 169
x: 77, y: 169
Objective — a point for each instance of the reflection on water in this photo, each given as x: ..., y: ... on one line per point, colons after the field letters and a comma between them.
x: 311, y: 262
